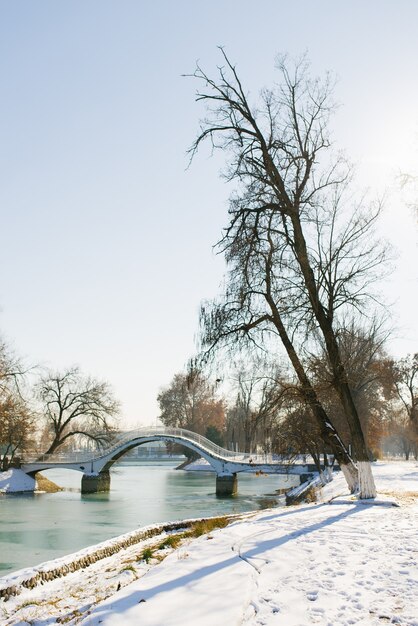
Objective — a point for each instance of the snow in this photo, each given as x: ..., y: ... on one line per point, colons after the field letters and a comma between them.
x: 197, y: 572
x: 332, y: 563
x: 16, y: 481
x: 200, y: 465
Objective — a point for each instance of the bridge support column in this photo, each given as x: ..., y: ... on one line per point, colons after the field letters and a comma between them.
x: 94, y: 483
x: 226, y: 484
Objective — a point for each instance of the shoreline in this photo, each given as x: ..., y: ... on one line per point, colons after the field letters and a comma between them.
x: 212, y: 578
x: 14, y: 583
x: 89, y: 520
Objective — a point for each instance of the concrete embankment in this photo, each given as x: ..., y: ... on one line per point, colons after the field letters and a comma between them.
x: 29, y: 578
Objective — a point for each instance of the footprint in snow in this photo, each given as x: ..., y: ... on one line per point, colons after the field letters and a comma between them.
x: 312, y: 596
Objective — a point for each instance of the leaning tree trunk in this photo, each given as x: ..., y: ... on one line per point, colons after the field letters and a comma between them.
x: 365, y: 476
x: 328, y: 433
x: 54, y: 445
x: 316, y: 460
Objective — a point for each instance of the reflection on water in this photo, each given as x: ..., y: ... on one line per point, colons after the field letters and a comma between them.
x: 39, y: 527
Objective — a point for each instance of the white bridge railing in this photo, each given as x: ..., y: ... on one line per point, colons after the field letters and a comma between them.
x: 126, y: 437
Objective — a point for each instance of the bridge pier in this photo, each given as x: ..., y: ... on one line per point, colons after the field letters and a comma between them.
x: 226, y: 484
x: 94, y: 483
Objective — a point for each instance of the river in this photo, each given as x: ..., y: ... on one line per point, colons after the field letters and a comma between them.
x: 39, y: 527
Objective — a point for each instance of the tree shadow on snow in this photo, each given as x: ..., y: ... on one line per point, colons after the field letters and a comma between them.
x: 124, y: 600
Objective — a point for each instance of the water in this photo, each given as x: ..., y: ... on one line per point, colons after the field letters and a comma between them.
x: 39, y: 527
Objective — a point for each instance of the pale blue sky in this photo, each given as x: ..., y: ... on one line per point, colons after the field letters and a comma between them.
x: 105, y: 236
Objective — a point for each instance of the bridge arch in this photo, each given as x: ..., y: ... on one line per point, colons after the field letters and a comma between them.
x: 95, y: 466
x: 135, y: 443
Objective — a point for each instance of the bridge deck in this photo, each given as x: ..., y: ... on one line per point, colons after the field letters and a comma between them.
x: 226, y: 463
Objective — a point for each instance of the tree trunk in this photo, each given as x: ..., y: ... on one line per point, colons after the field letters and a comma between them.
x: 329, y: 434
x: 248, y: 441
x: 54, y: 445
x: 316, y: 460
x: 367, y: 485
x: 340, y: 378
x: 351, y: 476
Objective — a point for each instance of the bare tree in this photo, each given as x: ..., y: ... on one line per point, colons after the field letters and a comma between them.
x: 409, y: 184
x: 190, y: 401
x: 245, y: 415
x: 400, y: 390
x: 405, y: 381
x: 298, y: 251
x: 76, y: 405
x: 260, y: 391
x: 401, y: 434
x: 12, y: 370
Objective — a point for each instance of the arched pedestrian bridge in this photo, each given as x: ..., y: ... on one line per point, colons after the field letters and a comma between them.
x: 95, y: 465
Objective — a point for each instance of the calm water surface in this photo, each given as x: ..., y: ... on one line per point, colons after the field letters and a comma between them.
x: 36, y: 528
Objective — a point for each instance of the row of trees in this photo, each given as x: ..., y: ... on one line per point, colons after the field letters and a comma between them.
x: 51, y: 410
x: 266, y: 411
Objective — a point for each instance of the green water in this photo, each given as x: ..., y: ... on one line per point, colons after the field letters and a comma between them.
x: 40, y: 527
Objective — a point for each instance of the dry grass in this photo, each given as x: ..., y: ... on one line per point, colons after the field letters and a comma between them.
x: 172, y: 541
x: 44, y: 484
x: 206, y: 526
x: 405, y: 497
x: 127, y: 567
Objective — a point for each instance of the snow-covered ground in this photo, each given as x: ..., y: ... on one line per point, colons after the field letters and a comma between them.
x: 16, y: 481
x: 334, y: 564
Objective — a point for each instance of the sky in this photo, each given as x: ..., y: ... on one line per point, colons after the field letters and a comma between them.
x: 106, y: 234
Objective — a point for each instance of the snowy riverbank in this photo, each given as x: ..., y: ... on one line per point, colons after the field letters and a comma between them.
x: 330, y: 564
x: 16, y: 481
